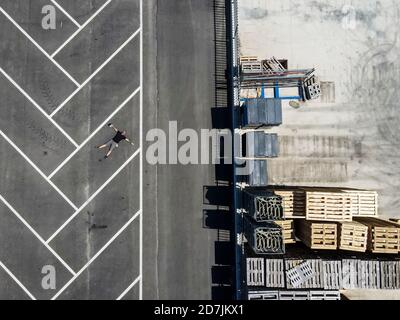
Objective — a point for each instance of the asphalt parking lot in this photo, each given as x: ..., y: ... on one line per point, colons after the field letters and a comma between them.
x: 117, y: 228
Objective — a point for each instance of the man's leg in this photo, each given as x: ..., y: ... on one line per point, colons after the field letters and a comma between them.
x: 112, y: 146
x: 104, y: 145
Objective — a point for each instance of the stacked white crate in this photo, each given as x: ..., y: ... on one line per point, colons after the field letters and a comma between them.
x: 255, y: 272
x: 274, y: 273
x: 332, y: 275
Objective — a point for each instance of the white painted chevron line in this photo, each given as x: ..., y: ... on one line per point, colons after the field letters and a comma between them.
x: 123, y: 294
x: 39, y: 47
x: 80, y: 28
x: 66, y: 13
x: 16, y: 85
x: 38, y: 170
x: 36, y: 234
x: 139, y: 279
x: 97, y: 255
x: 95, y: 73
x: 17, y: 281
x: 94, y: 133
x: 93, y: 196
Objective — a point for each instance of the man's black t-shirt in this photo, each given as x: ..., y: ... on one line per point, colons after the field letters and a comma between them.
x: 119, y: 137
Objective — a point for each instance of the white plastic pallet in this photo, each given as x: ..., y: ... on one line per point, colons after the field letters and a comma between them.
x: 332, y: 274
x: 316, y: 282
x: 274, y: 273
x: 325, y: 295
x: 255, y: 272
x: 294, y: 295
x: 263, y: 295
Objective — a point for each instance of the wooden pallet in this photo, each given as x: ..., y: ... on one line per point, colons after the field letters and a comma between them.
x: 294, y: 203
x: 364, y: 203
x: 383, y: 235
x: 255, y: 272
x: 248, y: 59
x: 317, y: 235
x: 328, y: 206
x: 353, y: 236
x: 287, y: 231
x: 361, y: 274
x: 294, y: 295
x: 332, y: 274
x: 390, y: 274
x: 274, y: 273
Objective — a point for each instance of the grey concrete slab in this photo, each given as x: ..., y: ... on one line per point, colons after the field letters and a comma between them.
x: 36, y: 74
x: 103, y: 94
x: 10, y: 290
x: 87, y: 170
x: 89, y: 231
x: 28, y: 14
x: 81, y: 10
x: 112, y: 272
x: 30, y: 130
x: 109, y: 30
x: 349, y: 137
x: 25, y: 256
x: 33, y: 198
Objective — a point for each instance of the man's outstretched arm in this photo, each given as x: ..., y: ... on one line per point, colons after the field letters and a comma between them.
x: 129, y: 141
x: 113, y: 127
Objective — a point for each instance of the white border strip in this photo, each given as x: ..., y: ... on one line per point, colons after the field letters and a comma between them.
x: 39, y: 47
x: 123, y: 294
x: 93, y: 196
x: 36, y: 234
x: 141, y: 156
x: 66, y: 13
x: 38, y: 170
x: 80, y: 29
x: 17, y: 281
x: 16, y: 85
x: 96, y: 255
x: 95, y: 73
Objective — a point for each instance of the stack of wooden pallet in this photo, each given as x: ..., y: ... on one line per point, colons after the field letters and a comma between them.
x: 293, y: 202
x: 287, y: 231
x: 353, y: 236
x: 328, y: 206
x: 317, y: 235
x: 384, y: 236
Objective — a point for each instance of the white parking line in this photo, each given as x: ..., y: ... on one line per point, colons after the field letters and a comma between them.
x: 141, y: 157
x: 17, y: 281
x: 38, y: 170
x: 123, y: 294
x: 39, y: 47
x: 81, y: 28
x: 94, y: 133
x: 94, y: 73
x: 66, y: 13
x: 93, y: 196
x: 36, y: 234
x: 16, y: 85
x: 97, y: 254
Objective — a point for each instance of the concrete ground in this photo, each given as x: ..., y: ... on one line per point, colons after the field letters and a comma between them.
x: 115, y: 228
x: 349, y: 137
